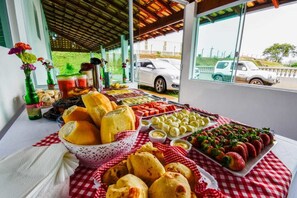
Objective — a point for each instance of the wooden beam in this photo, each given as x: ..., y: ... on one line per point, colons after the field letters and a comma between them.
x: 71, y: 39
x: 173, y: 28
x: 100, y: 28
x: 205, y: 6
x: 107, y: 20
x: 102, y: 9
x: 79, y: 27
x: 163, y: 4
x: 69, y: 49
x: 162, y: 22
x: 143, y: 9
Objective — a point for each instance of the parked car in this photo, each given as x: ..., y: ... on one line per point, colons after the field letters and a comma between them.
x: 158, y: 74
x: 177, y: 64
x: 246, y: 71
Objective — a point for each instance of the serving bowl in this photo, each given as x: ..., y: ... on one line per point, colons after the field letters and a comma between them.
x: 93, y: 156
x: 145, y: 125
x: 181, y: 143
x: 157, y: 135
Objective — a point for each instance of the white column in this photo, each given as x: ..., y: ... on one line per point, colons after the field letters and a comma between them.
x: 131, y: 35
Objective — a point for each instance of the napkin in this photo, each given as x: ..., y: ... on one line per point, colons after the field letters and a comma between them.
x: 37, y: 172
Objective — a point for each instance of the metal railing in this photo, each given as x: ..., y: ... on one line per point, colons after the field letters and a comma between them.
x: 286, y: 72
x: 282, y: 71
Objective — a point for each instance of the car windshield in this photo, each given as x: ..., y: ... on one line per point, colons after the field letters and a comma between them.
x: 175, y: 62
x: 162, y: 65
x: 252, y: 66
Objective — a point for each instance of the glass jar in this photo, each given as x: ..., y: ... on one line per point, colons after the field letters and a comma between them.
x: 66, y: 84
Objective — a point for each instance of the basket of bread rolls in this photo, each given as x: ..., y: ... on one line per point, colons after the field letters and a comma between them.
x: 152, y: 171
x: 100, y: 131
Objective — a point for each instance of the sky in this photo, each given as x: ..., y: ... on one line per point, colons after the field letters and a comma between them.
x: 262, y: 29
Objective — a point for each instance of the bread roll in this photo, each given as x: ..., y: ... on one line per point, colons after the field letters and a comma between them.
x: 182, y: 169
x: 112, y: 175
x: 170, y: 185
x: 80, y: 132
x: 76, y: 113
x: 148, y: 147
x: 145, y: 166
x: 128, y: 186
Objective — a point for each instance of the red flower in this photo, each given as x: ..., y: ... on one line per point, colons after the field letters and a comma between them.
x: 40, y: 59
x: 22, y: 45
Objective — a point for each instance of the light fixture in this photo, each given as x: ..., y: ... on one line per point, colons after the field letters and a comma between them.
x: 183, y: 2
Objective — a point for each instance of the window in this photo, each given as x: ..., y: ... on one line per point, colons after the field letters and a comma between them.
x: 5, y: 35
x: 2, y: 40
x: 36, y: 22
x: 218, y: 39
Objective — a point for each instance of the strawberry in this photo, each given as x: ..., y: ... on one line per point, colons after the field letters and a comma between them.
x: 271, y: 137
x: 245, y: 148
x: 258, y: 145
x: 251, y: 150
x: 265, y: 138
x: 233, y: 161
x: 240, y: 150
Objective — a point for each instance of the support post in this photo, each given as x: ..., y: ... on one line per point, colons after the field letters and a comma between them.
x: 131, y: 35
x: 124, y: 52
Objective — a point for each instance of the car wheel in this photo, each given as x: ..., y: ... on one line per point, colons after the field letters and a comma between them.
x: 257, y: 81
x: 160, y: 85
x: 218, y: 78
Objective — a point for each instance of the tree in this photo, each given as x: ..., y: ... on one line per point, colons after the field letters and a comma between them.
x: 277, y: 51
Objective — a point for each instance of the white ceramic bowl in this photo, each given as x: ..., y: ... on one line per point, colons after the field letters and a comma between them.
x: 182, y: 143
x: 157, y: 135
x: 93, y: 156
x: 145, y: 125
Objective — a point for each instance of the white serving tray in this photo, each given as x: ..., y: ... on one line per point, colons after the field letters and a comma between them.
x: 211, y: 123
x: 250, y: 164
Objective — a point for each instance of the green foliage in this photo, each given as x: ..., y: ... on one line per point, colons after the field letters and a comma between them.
x: 277, y: 51
x: 294, y: 64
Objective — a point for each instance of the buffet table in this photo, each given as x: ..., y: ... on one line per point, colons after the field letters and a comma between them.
x: 24, y: 133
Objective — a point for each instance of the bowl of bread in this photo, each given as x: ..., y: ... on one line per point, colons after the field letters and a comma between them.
x: 100, y: 131
x: 150, y: 171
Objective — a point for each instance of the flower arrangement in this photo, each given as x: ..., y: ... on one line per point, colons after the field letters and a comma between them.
x: 27, y: 58
x: 31, y: 98
x: 48, y: 67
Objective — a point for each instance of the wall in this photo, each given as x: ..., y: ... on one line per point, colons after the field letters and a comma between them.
x: 12, y: 86
x: 259, y: 107
x: 23, y: 28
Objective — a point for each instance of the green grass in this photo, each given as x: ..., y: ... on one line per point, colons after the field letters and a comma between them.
x: 69, y: 62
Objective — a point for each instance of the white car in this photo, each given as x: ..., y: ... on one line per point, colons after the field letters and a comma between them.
x: 158, y: 74
x: 177, y: 64
x: 247, y: 72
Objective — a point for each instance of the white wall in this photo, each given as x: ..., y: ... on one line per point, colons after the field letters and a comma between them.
x: 23, y: 28
x: 11, y: 86
x: 258, y: 107
x: 22, y: 21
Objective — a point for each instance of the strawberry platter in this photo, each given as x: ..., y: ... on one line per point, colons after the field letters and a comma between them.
x: 236, y: 147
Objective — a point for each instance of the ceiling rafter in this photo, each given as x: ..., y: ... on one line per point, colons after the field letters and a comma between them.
x: 71, y: 39
x: 96, y: 15
x: 95, y: 33
x: 92, y: 24
x: 102, y: 10
x: 69, y: 28
x: 143, y: 9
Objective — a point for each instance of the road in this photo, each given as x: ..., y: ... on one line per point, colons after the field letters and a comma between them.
x: 285, y: 83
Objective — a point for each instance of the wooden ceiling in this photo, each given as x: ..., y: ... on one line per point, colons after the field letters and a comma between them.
x: 85, y: 25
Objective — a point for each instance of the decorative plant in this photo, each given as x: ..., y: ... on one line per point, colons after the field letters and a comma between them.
x: 48, y: 67
x: 31, y: 98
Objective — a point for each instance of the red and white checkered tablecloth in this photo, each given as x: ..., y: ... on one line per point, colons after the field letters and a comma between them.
x: 269, y: 178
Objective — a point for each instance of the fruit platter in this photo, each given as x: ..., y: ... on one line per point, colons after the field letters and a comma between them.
x: 139, y: 100
x: 235, y: 146
x: 181, y: 123
x: 154, y: 108
x: 118, y: 94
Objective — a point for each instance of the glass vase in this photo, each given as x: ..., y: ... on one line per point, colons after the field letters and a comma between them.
x: 124, y: 75
x: 50, y: 81
x: 33, y: 105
